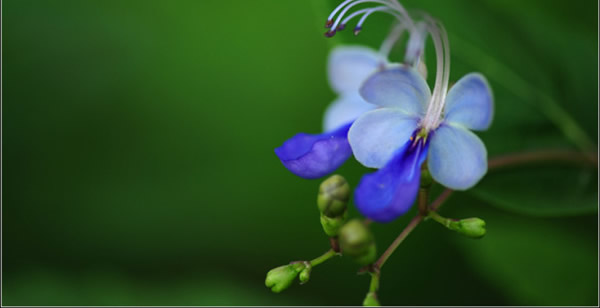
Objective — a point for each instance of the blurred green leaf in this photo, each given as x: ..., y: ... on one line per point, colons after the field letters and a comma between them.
x: 542, y: 190
x: 138, y: 136
x: 536, y: 261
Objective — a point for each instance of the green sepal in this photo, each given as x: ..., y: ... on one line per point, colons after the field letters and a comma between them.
x: 332, y: 226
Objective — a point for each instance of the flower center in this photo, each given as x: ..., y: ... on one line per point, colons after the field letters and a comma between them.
x: 419, y: 136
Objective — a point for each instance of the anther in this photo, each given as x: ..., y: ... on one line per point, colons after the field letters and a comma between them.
x: 341, y: 27
x: 329, y: 23
x: 330, y: 33
x: 357, y: 30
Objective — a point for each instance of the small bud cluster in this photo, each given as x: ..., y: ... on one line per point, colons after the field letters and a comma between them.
x: 281, y: 278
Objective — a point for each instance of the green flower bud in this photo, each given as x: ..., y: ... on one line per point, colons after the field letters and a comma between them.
x: 332, y: 226
x: 472, y: 227
x: 280, y: 278
x: 371, y: 300
x: 357, y: 241
x: 305, y: 273
x: 333, y: 196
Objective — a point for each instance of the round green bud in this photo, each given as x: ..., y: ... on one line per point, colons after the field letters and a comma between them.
x: 472, y: 227
x: 371, y: 300
x: 333, y: 197
x: 357, y: 241
x: 280, y: 278
x: 332, y: 226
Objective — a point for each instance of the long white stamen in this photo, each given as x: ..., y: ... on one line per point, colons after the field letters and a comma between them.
x: 391, y: 39
x: 371, y: 11
x: 447, y: 64
x: 358, y: 27
x: 337, y: 9
x: 363, y: 11
x: 416, y: 45
x: 347, y: 8
x: 404, y: 13
x: 442, y: 49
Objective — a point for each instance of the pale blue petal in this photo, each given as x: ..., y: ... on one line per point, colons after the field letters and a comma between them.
x: 457, y: 157
x: 344, y: 110
x: 349, y: 66
x: 376, y: 135
x: 470, y: 103
x: 398, y: 87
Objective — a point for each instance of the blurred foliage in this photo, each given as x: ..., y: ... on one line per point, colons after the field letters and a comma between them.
x: 138, y: 158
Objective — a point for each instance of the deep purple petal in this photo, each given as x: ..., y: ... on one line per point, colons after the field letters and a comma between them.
x: 314, y: 156
x: 390, y: 192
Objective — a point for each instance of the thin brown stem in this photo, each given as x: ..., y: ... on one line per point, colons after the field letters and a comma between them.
x: 334, y: 243
x: 543, y: 156
x: 388, y: 252
x: 495, y: 163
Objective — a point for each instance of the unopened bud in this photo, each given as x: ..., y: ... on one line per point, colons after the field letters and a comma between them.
x: 333, y: 196
x: 472, y: 227
x: 357, y: 241
x: 371, y: 300
x: 305, y: 273
x: 280, y: 278
x: 332, y: 226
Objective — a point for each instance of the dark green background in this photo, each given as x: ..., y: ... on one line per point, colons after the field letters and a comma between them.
x: 138, y: 160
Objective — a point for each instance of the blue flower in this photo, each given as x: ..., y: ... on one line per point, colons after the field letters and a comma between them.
x: 315, y: 155
x: 412, y: 126
x: 312, y: 156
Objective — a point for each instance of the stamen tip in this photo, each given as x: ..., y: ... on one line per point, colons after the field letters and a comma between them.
x: 357, y: 30
x: 329, y: 23
x: 330, y: 33
x: 341, y: 27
